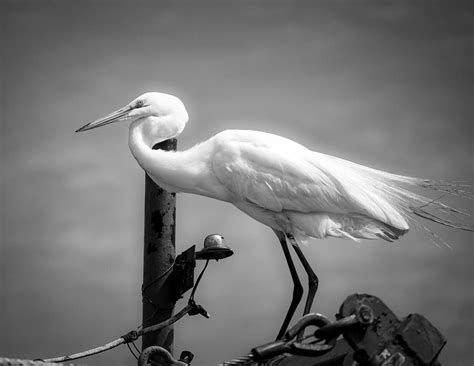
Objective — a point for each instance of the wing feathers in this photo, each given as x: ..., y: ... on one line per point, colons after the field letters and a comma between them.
x: 280, y: 175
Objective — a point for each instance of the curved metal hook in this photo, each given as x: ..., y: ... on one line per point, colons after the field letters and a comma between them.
x: 168, y: 357
x: 289, y: 342
x: 312, y: 319
x: 309, y: 349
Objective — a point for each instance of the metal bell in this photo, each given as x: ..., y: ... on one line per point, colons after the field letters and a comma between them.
x: 214, y: 248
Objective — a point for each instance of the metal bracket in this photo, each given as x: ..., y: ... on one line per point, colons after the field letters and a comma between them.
x: 182, y: 276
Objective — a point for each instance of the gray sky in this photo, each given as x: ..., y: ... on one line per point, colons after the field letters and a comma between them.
x: 386, y: 84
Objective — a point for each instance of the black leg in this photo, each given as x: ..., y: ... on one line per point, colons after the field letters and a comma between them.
x: 297, y: 288
x: 313, y: 280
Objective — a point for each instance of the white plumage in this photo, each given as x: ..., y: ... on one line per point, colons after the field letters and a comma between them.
x: 275, y: 180
x: 278, y: 182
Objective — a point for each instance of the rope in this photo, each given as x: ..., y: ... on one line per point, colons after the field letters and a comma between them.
x: 191, y: 308
x: 87, y: 353
x: 127, y: 338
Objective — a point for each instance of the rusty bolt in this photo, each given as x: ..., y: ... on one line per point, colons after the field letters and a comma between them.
x: 365, y: 315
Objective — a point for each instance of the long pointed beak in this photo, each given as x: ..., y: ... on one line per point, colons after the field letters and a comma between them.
x: 117, y: 116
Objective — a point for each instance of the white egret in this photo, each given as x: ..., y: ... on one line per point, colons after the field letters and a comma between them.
x: 297, y: 192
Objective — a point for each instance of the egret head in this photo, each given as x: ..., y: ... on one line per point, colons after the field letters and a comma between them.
x: 160, y: 115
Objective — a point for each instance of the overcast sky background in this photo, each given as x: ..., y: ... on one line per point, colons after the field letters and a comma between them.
x: 387, y: 84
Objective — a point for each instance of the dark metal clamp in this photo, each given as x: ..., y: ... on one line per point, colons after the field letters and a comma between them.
x: 290, y: 342
x: 324, y: 337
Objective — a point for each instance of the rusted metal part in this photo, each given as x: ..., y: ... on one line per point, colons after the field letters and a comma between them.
x: 186, y: 357
x: 364, y: 316
x: 420, y: 337
x: 387, y: 341
x: 159, y: 256
x: 334, y: 357
x: 291, y: 344
x: 335, y: 328
x: 373, y: 336
x: 381, y: 329
x: 167, y: 357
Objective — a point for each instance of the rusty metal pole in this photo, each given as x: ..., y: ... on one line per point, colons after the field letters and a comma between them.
x: 158, y: 258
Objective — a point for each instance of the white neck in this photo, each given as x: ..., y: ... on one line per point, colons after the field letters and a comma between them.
x: 183, y: 171
x: 162, y: 166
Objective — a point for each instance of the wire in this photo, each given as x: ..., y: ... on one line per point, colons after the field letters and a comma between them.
x: 191, y: 297
x: 147, y: 298
x: 135, y: 346
x: 144, y: 288
x: 167, y: 322
x: 127, y: 338
x: 146, y: 320
x: 131, y: 351
x: 133, y: 335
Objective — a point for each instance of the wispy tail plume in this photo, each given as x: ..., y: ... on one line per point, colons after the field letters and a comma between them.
x: 417, y: 204
x: 455, y: 188
x: 394, y: 199
x: 429, y: 216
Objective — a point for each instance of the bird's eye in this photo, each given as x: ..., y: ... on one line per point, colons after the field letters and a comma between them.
x: 139, y: 104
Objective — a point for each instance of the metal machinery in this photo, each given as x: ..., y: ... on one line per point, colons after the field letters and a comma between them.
x: 365, y: 332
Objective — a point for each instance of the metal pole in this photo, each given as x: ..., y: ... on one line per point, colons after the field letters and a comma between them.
x: 158, y: 258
